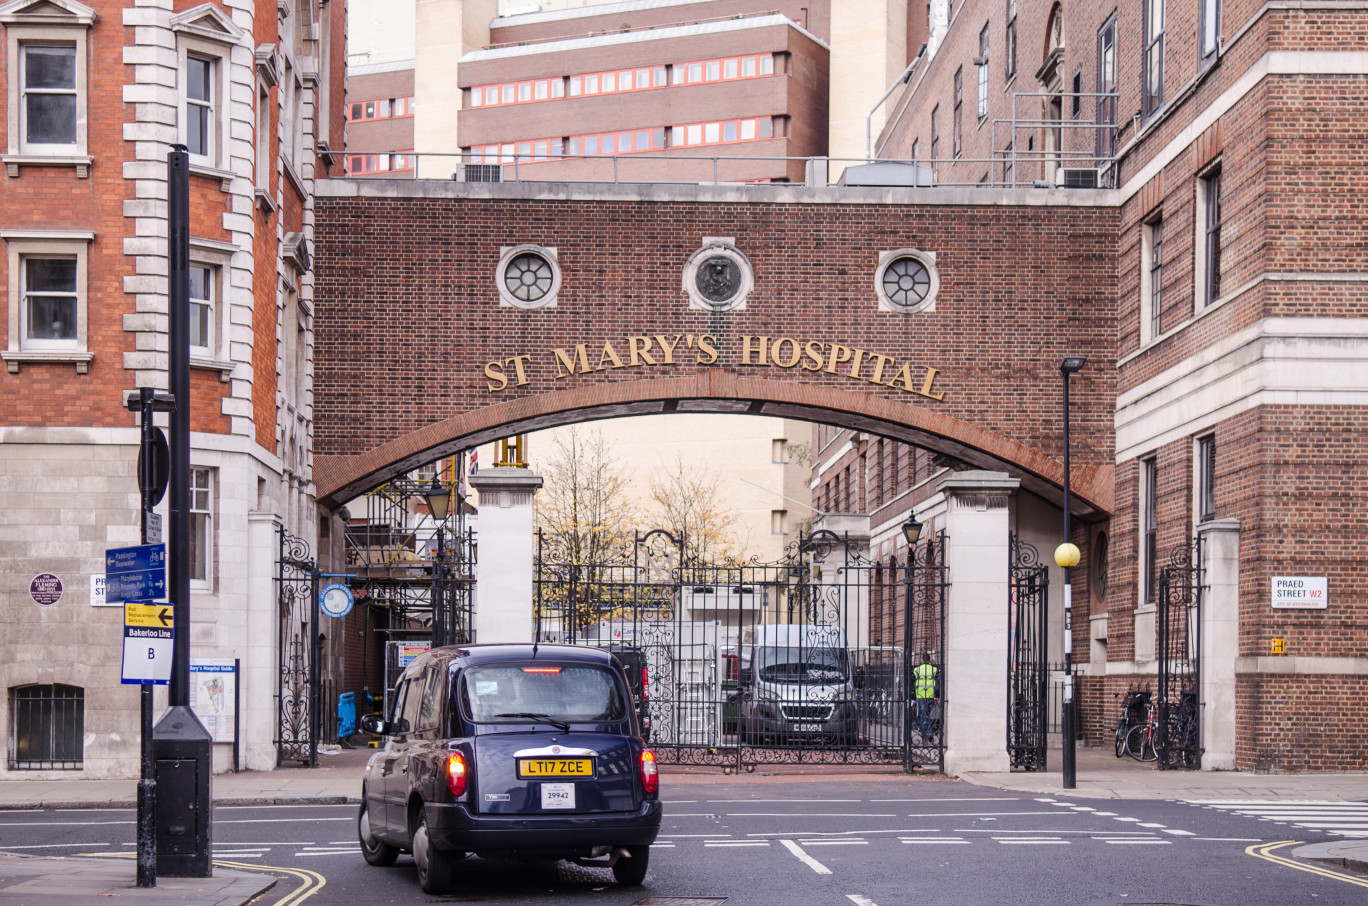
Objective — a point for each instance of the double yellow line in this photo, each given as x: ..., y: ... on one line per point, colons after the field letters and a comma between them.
x: 1265, y: 851
x: 313, y: 881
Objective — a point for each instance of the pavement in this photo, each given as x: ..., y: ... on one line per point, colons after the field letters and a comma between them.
x: 68, y: 881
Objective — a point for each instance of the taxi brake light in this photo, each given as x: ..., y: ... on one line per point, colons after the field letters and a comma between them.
x: 456, y: 773
x: 541, y: 670
x: 645, y: 685
x: 650, y: 776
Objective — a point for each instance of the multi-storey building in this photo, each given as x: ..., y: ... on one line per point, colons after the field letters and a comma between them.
x: 1223, y: 130
x: 96, y: 96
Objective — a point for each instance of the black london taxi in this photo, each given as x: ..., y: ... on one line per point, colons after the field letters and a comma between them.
x: 530, y: 752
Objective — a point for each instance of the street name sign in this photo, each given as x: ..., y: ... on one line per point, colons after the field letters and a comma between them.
x: 135, y: 573
x: 148, y: 642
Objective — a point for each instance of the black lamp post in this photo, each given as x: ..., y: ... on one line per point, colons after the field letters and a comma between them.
x: 439, y: 502
x: 1067, y: 556
x: 911, y: 530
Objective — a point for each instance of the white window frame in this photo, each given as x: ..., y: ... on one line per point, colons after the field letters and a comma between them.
x: 216, y: 256
x: 207, y: 507
x: 1203, y: 480
x: 23, y: 244
x: 55, y: 22
x: 1147, y: 521
x: 207, y: 33
x: 1151, y: 296
x: 1209, y: 34
x: 1202, y: 296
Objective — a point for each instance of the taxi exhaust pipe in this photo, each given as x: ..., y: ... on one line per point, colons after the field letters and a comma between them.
x: 595, y: 858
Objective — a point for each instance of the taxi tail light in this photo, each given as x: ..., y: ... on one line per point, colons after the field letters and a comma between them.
x: 645, y: 685
x: 650, y: 776
x: 456, y: 773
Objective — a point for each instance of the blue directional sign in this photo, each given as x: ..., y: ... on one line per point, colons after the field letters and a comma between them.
x: 135, y: 573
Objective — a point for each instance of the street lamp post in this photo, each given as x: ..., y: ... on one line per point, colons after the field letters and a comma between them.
x: 911, y: 530
x: 1067, y: 556
x: 438, y: 501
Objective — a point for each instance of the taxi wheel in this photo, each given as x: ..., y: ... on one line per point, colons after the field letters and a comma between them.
x: 631, y: 871
x: 374, y: 850
x: 436, y: 870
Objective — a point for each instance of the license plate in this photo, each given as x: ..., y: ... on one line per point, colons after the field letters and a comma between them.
x: 539, y: 768
x: 809, y: 728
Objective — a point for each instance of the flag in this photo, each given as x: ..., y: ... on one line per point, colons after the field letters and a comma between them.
x: 474, y: 461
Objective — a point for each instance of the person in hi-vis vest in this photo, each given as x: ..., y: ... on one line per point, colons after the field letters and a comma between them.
x: 926, y: 690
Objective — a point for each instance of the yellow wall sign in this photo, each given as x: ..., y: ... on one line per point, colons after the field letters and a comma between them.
x: 1278, y: 646
x: 139, y: 613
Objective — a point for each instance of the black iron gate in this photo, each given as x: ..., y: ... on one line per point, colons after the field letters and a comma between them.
x: 797, y: 661
x: 1178, y: 741
x: 297, y: 690
x: 1027, y: 667
x: 924, y: 645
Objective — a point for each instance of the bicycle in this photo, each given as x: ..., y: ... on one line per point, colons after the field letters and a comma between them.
x: 1132, y: 714
x: 1140, y: 738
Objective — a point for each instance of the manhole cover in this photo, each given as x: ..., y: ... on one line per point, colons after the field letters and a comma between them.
x: 680, y: 901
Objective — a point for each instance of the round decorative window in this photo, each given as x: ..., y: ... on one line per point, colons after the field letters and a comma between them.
x: 718, y: 277
x: 528, y: 277
x: 907, y: 281
x: 1100, y: 566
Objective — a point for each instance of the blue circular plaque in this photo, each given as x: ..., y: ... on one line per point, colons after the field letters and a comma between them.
x: 336, y: 600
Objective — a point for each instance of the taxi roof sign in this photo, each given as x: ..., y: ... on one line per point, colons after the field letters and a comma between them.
x: 149, y: 613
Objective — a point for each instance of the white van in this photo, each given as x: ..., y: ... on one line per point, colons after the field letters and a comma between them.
x: 797, y: 686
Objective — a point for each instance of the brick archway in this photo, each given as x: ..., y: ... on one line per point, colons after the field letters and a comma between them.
x: 419, y: 354
x: 341, y: 478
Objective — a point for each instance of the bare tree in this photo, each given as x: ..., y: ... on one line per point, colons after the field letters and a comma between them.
x: 586, y: 524
x: 690, y: 507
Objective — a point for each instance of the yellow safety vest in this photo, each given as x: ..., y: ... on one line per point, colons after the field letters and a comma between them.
x: 924, y: 677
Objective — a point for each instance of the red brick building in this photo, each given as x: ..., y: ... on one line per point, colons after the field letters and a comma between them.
x: 95, y: 96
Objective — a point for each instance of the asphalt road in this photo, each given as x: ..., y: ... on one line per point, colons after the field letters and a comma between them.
x: 866, y: 843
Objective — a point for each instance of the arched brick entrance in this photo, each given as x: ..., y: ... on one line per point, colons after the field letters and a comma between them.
x: 419, y: 354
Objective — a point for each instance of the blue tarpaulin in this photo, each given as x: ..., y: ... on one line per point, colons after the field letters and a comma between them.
x: 346, y: 714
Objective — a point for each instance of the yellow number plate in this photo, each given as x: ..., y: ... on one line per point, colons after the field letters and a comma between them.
x: 538, y: 768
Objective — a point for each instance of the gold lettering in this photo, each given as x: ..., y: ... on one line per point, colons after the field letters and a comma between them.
x: 746, y: 350
x: 707, y: 345
x: 793, y: 359
x: 640, y: 347
x: 494, y: 371
x: 905, y: 376
x: 517, y: 362
x: 838, y: 354
x: 879, y: 362
x: 609, y: 354
x: 926, y: 387
x: 813, y: 350
x: 855, y: 365
x: 565, y: 365
x: 667, y: 348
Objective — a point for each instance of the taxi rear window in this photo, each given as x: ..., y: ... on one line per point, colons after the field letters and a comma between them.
x: 508, y: 693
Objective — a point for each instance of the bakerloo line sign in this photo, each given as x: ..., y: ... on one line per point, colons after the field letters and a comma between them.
x: 655, y: 350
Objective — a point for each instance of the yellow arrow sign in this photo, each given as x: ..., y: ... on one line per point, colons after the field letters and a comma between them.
x: 138, y: 613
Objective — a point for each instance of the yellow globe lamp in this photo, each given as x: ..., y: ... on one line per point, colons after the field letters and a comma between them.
x: 1067, y: 555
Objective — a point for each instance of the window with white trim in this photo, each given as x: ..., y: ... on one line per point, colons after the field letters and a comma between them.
x: 982, y: 63
x: 1204, y: 478
x: 1149, y: 530
x: 201, y: 99
x: 47, y: 80
x: 1151, y: 278
x: 48, y: 301
x: 1153, y: 95
x: 1211, y: 30
x: 203, y: 292
x: 205, y: 36
x: 1208, y: 246
x: 201, y: 527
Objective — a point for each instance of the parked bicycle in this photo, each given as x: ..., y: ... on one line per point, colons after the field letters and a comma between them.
x: 1140, y: 738
x: 1132, y: 714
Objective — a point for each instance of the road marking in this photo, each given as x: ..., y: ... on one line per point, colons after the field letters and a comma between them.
x: 1081, y: 808
x: 313, y: 881
x: 965, y: 799
x: 1179, y: 833
x: 805, y: 858
x: 1149, y: 824
x: 945, y: 840
x: 1229, y: 839
x: 1105, y: 814
x: 834, y: 842
x: 1342, y: 819
x: 52, y: 845
x: 704, y: 836
x: 278, y: 821
x: 60, y: 823
x: 859, y: 900
x: 1142, y: 841
x: 739, y: 843
x: 807, y: 815
x: 1133, y: 820
x: 971, y: 814
x: 752, y: 801
x: 1030, y: 841
x: 1265, y: 851
x: 351, y: 850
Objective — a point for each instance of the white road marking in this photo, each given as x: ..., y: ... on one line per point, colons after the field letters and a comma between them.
x: 1030, y: 841
x: 329, y: 852
x: 859, y: 900
x: 971, y: 814
x: 1135, y: 840
x: 752, y: 801
x: 278, y: 820
x: 52, y: 845
x: 739, y: 843
x: 1149, y: 824
x: 944, y: 840
x: 704, y: 836
x: 834, y: 842
x: 1082, y: 808
x: 59, y: 823
x: 807, y: 815
x: 1134, y: 820
x: 1179, y: 833
x: 1105, y: 814
x: 805, y: 858
x: 966, y: 799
